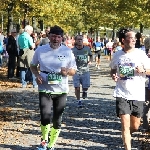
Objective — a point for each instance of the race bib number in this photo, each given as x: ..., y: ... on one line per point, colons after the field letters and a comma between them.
x: 54, y: 78
x: 98, y: 48
x: 126, y: 71
x: 82, y: 58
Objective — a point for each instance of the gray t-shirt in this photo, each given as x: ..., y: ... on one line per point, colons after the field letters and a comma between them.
x: 44, y: 41
x: 81, y: 56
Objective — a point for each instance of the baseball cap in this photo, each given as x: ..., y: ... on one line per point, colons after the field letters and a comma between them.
x: 56, y: 30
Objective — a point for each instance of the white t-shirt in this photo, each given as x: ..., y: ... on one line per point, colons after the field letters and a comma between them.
x: 131, y: 85
x: 51, y: 61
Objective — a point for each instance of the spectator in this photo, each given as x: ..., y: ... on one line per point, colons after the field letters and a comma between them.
x: 26, y: 52
x: 12, y: 51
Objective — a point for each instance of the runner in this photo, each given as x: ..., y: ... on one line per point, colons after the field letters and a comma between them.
x: 82, y: 75
x: 69, y: 42
x: 98, y: 45
x: 129, y: 68
x: 56, y: 61
x: 85, y: 40
x: 109, y: 47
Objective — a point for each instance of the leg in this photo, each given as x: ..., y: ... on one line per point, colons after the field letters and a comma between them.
x: 146, y: 117
x: 123, y: 110
x: 85, y: 81
x: 45, y: 112
x: 137, y: 113
x: 98, y: 61
x: 45, y: 105
x: 59, y: 104
x: 22, y: 75
x: 77, y: 92
x: 11, y: 66
x: 134, y: 123
x: 18, y: 68
x: 126, y: 136
x: 76, y: 83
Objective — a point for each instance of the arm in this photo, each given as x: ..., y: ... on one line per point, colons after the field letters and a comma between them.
x: 34, y: 70
x: 114, y: 75
x: 31, y: 44
x: 91, y: 56
x: 113, y: 71
x: 70, y: 72
x: 71, y: 68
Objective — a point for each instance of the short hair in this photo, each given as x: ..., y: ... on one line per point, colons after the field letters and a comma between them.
x: 119, y: 43
x: 75, y: 38
x: 122, y: 33
x: 28, y: 27
x: 57, y: 30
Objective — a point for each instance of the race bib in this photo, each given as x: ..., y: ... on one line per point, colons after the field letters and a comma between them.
x: 126, y: 71
x: 82, y: 58
x: 54, y: 78
x: 98, y: 48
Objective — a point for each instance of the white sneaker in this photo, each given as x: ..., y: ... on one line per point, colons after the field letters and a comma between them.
x: 98, y: 67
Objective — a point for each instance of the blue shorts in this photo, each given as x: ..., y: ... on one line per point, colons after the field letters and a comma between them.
x: 83, y: 79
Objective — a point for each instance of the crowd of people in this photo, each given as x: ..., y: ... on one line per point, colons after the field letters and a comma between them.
x: 48, y: 58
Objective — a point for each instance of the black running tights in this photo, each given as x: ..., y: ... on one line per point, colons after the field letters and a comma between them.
x: 58, y: 102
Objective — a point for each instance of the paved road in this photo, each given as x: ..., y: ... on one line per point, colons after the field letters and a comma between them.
x: 93, y: 127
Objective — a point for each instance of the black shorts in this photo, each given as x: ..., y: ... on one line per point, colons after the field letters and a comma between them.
x: 130, y: 107
x: 98, y: 54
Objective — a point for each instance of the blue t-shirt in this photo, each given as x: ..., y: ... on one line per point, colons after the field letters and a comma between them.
x: 98, y: 45
x: 25, y: 40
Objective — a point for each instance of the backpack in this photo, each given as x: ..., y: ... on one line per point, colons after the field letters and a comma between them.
x: 1, y: 47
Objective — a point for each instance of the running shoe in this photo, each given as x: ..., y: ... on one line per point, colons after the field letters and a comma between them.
x: 43, y: 145
x: 84, y: 95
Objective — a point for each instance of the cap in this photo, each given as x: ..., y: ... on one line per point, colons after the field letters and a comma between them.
x: 13, y: 31
x: 56, y: 30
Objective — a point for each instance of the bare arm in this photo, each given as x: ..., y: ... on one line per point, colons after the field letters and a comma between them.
x: 65, y: 71
x: 113, y: 71
x: 34, y: 70
x: 114, y: 75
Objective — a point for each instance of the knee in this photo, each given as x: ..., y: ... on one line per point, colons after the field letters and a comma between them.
x: 135, y: 126
x: 57, y: 123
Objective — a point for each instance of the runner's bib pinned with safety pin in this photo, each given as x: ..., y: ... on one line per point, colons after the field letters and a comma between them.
x: 54, y: 78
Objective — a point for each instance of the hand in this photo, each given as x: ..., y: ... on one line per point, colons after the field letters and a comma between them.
x: 64, y: 71
x: 89, y: 63
x: 140, y: 69
x: 115, y: 77
x: 148, y: 55
x: 39, y: 79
